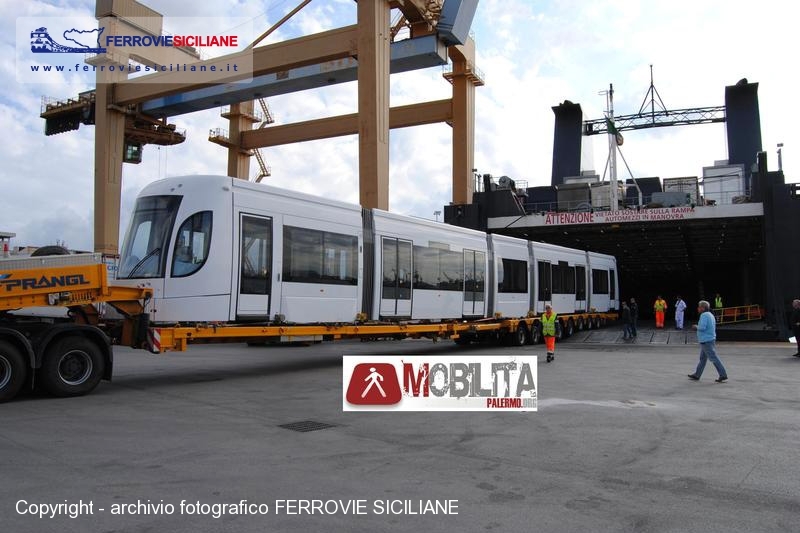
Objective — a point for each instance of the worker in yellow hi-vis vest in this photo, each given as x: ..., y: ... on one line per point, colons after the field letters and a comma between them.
x: 549, y: 331
x: 659, y: 308
x: 717, y: 311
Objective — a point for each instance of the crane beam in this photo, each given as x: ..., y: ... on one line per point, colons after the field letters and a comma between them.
x: 324, y: 128
x: 293, y: 53
x: 657, y: 119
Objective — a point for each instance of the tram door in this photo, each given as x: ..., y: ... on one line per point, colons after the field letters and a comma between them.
x: 474, y: 283
x: 255, y: 267
x: 396, y: 277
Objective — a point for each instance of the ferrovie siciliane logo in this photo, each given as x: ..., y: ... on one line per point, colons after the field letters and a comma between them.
x: 80, y: 41
x: 439, y: 383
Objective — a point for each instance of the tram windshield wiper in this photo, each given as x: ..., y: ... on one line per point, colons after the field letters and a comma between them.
x: 143, y: 260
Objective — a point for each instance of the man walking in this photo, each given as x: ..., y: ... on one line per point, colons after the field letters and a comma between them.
x: 680, y: 307
x: 634, y: 316
x: 707, y: 337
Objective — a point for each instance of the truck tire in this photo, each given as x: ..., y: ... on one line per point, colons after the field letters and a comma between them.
x: 72, y: 366
x: 12, y: 371
x: 559, y: 330
x: 462, y: 341
x: 536, y: 333
x: 519, y: 337
x: 570, y: 328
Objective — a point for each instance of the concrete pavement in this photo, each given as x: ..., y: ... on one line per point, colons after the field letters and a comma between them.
x: 622, y: 441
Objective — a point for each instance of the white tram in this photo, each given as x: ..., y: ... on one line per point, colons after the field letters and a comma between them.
x: 219, y: 249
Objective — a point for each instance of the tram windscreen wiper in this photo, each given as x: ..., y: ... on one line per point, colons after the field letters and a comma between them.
x: 143, y: 260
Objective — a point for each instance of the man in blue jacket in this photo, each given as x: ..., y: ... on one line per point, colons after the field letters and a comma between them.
x: 707, y: 337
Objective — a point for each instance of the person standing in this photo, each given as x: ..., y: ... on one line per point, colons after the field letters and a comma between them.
x: 659, y: 308
x: 634, y: 316
x: 680, y: 307
x: 626, y: 322
x: 795, y: 320
x: 707, y: 337
x: 718, y: 306
x: 549, y: 331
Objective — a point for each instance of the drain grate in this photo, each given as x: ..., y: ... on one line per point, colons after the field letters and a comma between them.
x: 305, y: 426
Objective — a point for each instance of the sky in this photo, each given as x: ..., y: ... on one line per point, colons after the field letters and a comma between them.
x: 533, y: 54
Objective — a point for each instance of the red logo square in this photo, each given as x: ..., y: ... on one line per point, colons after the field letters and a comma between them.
x: 374, y: 384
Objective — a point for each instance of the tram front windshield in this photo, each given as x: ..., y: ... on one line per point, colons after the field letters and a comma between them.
x: 144, y: 251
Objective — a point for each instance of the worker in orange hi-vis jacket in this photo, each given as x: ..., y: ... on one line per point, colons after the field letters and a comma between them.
x: 659, y: 308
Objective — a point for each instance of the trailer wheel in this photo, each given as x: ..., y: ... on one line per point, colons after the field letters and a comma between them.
x: 559, y: 330
x: 12, y: 371
x: 520, y: 337
x: 581, y: 325
x: 462, y: 341
x: 570, y: 327
x: 72, y: 366
x: 536, y: 334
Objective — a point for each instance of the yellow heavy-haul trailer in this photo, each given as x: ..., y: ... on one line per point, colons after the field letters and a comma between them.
x: 56, y: 330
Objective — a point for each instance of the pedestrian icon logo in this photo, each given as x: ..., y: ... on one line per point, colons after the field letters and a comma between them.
x: 374, y: 384
x: 373, y: 378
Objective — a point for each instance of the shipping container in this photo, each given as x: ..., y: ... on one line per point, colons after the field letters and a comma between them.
x: 574, y: 197
x: 688, y: 184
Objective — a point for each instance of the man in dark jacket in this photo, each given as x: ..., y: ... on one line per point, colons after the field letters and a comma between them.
x: 634, y: 316
x: 795, y: 320
x: 626, y: 322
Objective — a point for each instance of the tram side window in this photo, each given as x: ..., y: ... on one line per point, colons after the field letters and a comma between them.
x: 512, y: 276
x: 426, y: 267
x: 192, y: 244
x: 435, y: 268
x: 312, y: 256
x: 451, y: 270
x: 341, y: 259
x: 563, y: 278
x: 599, y: 281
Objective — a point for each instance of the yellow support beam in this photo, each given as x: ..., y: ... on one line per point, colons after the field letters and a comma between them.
x: 286, y: 55
x: 374, y: 38
x: 464, y: 78
x: 109, y: 147
x: 324, y: 128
